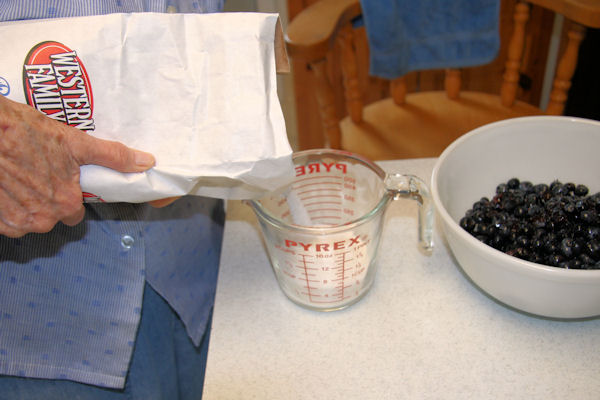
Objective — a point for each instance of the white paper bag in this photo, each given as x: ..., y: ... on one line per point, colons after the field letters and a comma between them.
x: 198, y: 91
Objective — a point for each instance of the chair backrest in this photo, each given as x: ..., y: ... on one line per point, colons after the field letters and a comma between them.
x: 323, y: 37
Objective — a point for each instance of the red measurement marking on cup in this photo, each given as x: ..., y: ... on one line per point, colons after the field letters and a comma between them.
x: 313, y: 178
x: 321, y: 203
x: 308, y: 276
x: 341, y: 268
x: 321, y: 196
x: 322, y: 207
x: 308, y: 187
x: 310, y: 182
x: 319, y: 193
x: 322, y: 210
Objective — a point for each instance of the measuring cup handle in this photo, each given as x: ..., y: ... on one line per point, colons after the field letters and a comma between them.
x: 410, y: 186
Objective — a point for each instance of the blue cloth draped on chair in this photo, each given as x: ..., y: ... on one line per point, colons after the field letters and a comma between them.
x: 408, y: 35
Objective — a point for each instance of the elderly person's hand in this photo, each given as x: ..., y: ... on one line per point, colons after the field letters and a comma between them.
x: 39, y: 169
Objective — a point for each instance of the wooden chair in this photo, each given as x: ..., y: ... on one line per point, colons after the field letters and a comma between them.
x: 421, y: 124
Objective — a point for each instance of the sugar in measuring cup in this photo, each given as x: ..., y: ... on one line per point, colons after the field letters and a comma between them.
x: 322, y: 231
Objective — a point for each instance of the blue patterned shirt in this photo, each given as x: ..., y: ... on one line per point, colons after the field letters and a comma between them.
x: 70, y: 300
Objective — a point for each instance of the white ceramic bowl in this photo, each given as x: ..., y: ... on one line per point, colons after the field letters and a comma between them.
x: 538, y: 149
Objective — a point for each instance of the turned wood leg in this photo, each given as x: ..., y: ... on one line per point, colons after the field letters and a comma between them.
x: 326, y: 101
x: 354, y: 103
x: 398, y: 90
x: 452, y: 83
x: 565, y: 70
x: 508, y: 91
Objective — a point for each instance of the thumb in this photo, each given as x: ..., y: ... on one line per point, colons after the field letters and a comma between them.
x: 90, y: 150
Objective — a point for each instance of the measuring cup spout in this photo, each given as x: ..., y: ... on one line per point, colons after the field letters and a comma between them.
x: 410, y: 186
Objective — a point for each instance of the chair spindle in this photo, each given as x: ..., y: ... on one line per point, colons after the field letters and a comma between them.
x: 508, y: 91
x: 326, y: 102
x: 352, y: 91
x: 452, y: 83
x: 565, y: 70
x: 398, y: 90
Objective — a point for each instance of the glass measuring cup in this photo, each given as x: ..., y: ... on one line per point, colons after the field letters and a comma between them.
x: 322, y: 231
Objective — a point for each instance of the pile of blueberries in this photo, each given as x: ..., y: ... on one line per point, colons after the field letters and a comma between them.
x: 555, y: 224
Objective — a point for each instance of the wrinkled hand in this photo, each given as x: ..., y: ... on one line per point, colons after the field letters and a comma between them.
x: 39, y: 169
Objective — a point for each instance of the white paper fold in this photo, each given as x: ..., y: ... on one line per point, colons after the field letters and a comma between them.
x: 198, y: 91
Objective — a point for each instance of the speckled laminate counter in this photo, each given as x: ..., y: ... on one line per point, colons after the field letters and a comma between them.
x: 424, y: 331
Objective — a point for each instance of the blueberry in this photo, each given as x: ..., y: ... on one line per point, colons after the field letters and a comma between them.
x: 569, y: 187
x: 532, y: 198
x: 537, y: 258
x: 592, y: 248
x: 594, y: 266
x: 595, y: 199
x: 541, y: 189
x: 554, y: 184
x: 497, y: 241
x: 478, y: 216
x: 569, y: 207
x: 522, y: 241
x: 504, y: 231
x: 586, y: 260
x: 592, y: 232
x: 479, y: 229
x: 526, y: 186
x: 575, y: 264
x: 566, y: 247
x: 578, y: 247
x: 534, y: 210
x: 589, y: 216
x: 513, y: 183
x: 581, y: 190
x: 520, y: 211
x: 556, y: 224
x: 550, y: 247
x: 580, y: 205
x: 499, y: 220
x: 501, y: 188
x: 538, y: 221
x: 466, y: 223
x: 537, y: 245
x: 481, y: 238
x: 579, y: 230
x: 564, y: 264
x: 555, y: 259
x: 509, y: 204
x: 559, y: 190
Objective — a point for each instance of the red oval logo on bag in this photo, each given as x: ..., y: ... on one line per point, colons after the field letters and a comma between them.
x: 56, y: 83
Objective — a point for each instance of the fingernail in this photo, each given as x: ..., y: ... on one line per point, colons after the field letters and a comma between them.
x: 143, y: 159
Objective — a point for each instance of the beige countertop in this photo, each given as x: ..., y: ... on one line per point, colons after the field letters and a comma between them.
x: 424, y: 331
